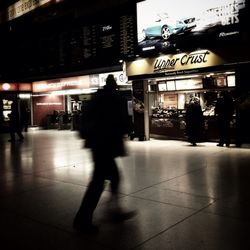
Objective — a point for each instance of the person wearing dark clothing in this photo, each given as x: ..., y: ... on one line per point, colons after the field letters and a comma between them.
x: 224, y: 111
x: 24, y: 119
x: 242, y: 108
x: 194, y: 121
x: 105, y: 123
x: 15, y: 122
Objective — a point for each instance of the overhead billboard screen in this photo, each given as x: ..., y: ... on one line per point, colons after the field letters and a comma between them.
x: 167, y: 24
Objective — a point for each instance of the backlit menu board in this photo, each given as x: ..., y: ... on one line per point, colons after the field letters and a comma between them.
x: 91, y: 44
x: 127, y: 36
x: 88, y: 42
x: 110, y: 39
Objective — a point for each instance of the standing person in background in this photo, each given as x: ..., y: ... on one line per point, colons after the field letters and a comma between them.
x: 104, y: 125
x: 194, y: 121
x: 24, y: 112
x: 242, y: 108
x: 224, y: 110
x: 15, y: 122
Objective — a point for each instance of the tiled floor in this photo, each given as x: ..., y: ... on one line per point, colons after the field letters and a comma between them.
x: 186, y: 198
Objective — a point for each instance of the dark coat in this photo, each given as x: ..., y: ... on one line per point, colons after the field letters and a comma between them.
x: 106, y: 123
x: 224, y: 109
x: 194, y: 122
x: 14, y: 116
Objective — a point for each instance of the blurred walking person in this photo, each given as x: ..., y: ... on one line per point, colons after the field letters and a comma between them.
x: 104, y: 125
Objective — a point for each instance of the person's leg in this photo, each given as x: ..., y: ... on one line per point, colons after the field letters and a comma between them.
x: 12, y: 134
x: 83, y: 218
x: 90, y: 200
x: 227, y: 133
x: 114, y: 176
x: 116, y: 211
x: 26, y: 127
x: 221, y: 133
x: 192, y: 139
x: 20, y: 135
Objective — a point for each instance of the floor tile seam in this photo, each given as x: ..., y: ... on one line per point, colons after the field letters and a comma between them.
x: 74, y: 233
x: 58, y: 228
x: 38, y: 221
x: 170, y: 179
x: 181, y: 192
x: 191, y: 194
x: 61, y: 181
x: 170, y: 204
x: 34, y: 174
x: 238, y: 219
x: 24, y: 175
x: 27, y: 191
x: 50, y: 169
x: 169, y: 228
x: 222, y: 215
x: 202, y: 211
x: 69, y: 232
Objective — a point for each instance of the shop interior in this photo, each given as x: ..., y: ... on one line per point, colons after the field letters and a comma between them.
x: 169, y: 97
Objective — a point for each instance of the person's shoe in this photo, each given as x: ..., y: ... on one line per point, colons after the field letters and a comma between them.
x: 220, y: 145
x: 227, y: 145
x: 119, y: 216
x: 21, y: 139
x: 194, y: 144
x: 85, y: 228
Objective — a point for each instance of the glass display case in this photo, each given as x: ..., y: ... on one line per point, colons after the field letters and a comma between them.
x: 167, y: 109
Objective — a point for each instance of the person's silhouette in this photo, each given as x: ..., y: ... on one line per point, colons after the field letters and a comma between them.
x: 224, y: 110
x: 194, y: 121
x: 15, y: 122
x: 108, y: 123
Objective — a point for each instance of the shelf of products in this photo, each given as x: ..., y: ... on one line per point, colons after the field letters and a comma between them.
x: 6, y: 109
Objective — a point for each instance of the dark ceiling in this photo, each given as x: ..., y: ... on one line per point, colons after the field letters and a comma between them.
x: 6, y: 3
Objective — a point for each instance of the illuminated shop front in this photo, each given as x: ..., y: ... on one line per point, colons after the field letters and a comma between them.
x: 169, y: 82
x: 65, y: 98
x: 184, y: 53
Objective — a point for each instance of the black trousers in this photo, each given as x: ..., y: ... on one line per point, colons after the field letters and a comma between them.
x: 15, y: 130
x: 224, y: 132
x: 105, y: 168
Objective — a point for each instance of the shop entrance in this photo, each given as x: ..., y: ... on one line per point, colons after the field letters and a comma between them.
x: 168, y: 99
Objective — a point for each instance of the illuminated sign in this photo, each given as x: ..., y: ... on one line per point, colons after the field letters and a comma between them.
x: 165, y: 24
x: 57, y: 85
x: 24, y: 6
x: 61, y: 84
x: 174, y: 62
x: 170, y: 63
x: 48, y: 103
